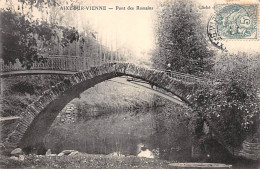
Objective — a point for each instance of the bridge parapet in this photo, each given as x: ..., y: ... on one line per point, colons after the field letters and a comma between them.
x: 76, y: 64
x: 130, y: 68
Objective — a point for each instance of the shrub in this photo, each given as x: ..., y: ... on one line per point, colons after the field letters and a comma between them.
x: 232, y: 105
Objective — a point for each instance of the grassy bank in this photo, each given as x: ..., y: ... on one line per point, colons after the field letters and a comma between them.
x: 20, y: 91
x: 17, y: 93
x: 83, y: 160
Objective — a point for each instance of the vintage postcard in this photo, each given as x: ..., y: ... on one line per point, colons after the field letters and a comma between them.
x: 130, y: 84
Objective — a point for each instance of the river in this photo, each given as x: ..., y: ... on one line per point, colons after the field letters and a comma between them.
x: 92, y: 125
x: 125, y: 133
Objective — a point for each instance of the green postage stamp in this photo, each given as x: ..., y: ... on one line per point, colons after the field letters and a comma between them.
x: 237, y: 21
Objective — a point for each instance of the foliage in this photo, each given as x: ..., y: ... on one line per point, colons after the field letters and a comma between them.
x: 25, y: 39
x: 26, y: 35
x: 181, y: 39
x: 83, y: 161
x: 232, y: 104
x: 23, y: 87
x: 19, y: 93
x: 18, y: 44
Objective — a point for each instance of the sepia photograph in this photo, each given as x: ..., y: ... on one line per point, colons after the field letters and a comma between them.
x: 129, y: 84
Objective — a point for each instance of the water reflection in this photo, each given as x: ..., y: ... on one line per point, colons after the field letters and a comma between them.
x: 144, y: 152
x: 151, y: 134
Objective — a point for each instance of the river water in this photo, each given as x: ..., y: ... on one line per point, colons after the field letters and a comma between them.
x: 148, y: 133
x: 95, y: 124
x: 92, y: 124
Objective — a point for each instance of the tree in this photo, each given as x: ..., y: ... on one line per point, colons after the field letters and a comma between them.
x: 24, y: 38
x: 181, y: 39
x: 17, y: 38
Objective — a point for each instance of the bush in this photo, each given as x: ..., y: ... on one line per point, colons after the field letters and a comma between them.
x: 23, y: 87
x: 232, y: 105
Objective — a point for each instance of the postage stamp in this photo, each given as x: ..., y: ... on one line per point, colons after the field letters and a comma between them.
x: 237, y: 21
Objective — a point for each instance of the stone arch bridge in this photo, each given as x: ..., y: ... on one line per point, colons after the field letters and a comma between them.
x: 38, y: 116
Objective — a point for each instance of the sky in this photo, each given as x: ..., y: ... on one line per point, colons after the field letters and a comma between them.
x: 128, y: 28
x: 133, y: 29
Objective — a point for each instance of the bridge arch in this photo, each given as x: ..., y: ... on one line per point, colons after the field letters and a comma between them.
x: 38, y: 116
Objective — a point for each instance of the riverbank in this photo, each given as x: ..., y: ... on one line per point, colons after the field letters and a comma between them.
x: 72, y: 159
x: 82, y: 160
x: 17, y: 93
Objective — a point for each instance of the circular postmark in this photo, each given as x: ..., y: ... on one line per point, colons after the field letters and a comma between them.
x: 213, y: 34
